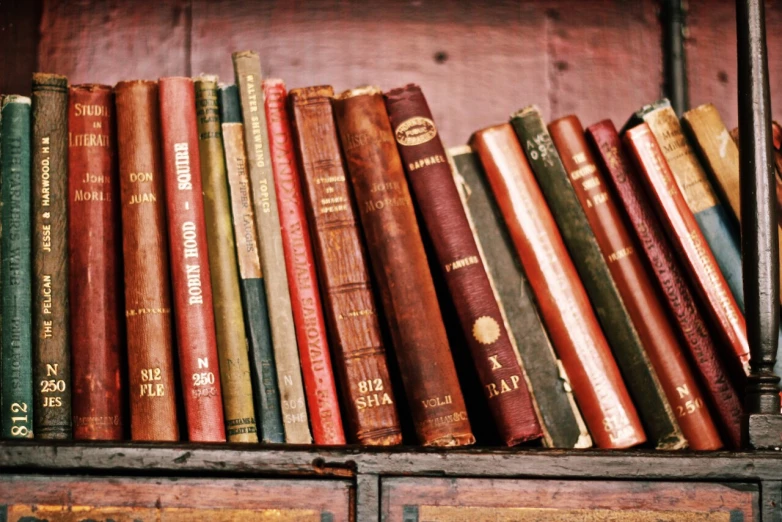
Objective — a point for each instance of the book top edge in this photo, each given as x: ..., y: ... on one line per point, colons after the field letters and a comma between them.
x: 359, y: 91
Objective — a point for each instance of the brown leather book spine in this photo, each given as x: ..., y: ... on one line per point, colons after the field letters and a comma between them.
x: 458, y: 257
x: 625, y: 263
x: 190, y: 277
x: 319, y: 384
x: 148, y: 320
x: 666, y: 271
x: 95, y: 264
x: 401, y: 269
x: 348, y: 302
x: 683, y: 231
x: 564, y: 306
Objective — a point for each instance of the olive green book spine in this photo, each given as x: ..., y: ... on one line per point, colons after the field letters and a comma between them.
x: 227, y: 299
x: 16, y: 394
x: 51, y: 323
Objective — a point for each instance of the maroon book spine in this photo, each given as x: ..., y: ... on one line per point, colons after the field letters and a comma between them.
x: 319, y: 385
x: 191, y: 283
x: 458, y: 257
x: 95, y: 264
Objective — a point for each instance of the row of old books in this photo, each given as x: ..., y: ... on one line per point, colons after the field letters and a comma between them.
x: 303, y: 267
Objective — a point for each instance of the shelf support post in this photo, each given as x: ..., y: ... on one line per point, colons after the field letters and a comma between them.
x: 672, y: 17
x: 763, y: 422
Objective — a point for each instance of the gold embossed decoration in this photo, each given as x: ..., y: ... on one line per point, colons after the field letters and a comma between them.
x: 415, y: 131
x: 486, y: 330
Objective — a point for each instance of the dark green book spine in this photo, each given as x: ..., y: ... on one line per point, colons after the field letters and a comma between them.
x: 256, y: 317
x: 16, y: 395
x: 562, y: 423
x: 51, y: 325
x: 639, y: 376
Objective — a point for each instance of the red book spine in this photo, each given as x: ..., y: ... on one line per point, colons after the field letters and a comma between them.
x: 95, y: 270
x: 319, y: 385
x: 684, y: 232
x: 191, y: 283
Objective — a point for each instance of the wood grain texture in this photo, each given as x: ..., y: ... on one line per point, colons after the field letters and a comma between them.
x: 711, y: 55
x: 109, y: 41
x: 176, y: 499
x: 506, y: 500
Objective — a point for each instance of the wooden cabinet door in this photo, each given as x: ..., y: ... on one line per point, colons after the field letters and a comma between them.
x: 103, y: 499
x: 508, y: 500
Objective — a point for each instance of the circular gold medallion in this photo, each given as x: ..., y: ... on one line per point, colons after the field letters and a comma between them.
x: 486, y: 330
x: 415, y: 131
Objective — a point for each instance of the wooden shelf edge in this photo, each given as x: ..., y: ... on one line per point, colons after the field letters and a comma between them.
x: 260, y: 460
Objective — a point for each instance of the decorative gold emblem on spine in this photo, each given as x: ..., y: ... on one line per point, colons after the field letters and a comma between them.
x: 415, y: 131
x: 486, y: 330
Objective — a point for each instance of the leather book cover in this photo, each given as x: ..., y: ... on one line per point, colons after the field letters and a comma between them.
x: 319, y: 383
x: 342, y: 268
x: 189, y: 255
x: 671, y: 284
x: 256, y: 318
x: 560, y: 419
x: 16, y: 351
x: 51, y: 321
x: 625, y: 262
x: 720, y: 158
x: 704, y: 274
x: 716, y: 226
x: 94, y: 265
x: 247, y: 67
x: 639, y: 376
x: 431, y: 183
x: 148, y: 309
x: 562, y: 300
x: 400, y: 269
x: 232, y: 350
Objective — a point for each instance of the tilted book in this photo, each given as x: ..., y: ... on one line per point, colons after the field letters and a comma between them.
x: 401, y: 270
x: 95, y: 265
x: 431, y: 183
x: 683, y: 231
x: 319, y: 384
x: 232, y: 349
x: 148, y: 308
x: 343, y: 271
x: 247, y: 67
x: 16, y: 352
x: 562, y: 300
x: 563, y: 426
x: 256, y: 318
x: 190, y: 272
x: 51, y: 321
x: 639, y: 375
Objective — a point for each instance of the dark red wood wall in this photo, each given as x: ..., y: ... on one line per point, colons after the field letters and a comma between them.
x: 477, y: 61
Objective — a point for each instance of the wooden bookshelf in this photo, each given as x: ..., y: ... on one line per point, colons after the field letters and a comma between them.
x: 477, y: 61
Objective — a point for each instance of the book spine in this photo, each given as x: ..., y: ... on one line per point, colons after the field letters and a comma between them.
x: 190, y: 274
x: 562, y: 424
x: 232, y: 348
x: 247, y: 67
x: 401, y: 271
x: 671, y: 281
x: 625, y: 263
x: 256, y: 317
x: 148, y: 322
x: 715, y: 224
x: 16, y: 394
x: 51, y: 328
x: 308, y: 318
x: 684, y: 233
x: 349, y: 304
x: 562, y: 300
x: 637, y: 370
x: 431, y: 182
x: 95, y: 265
